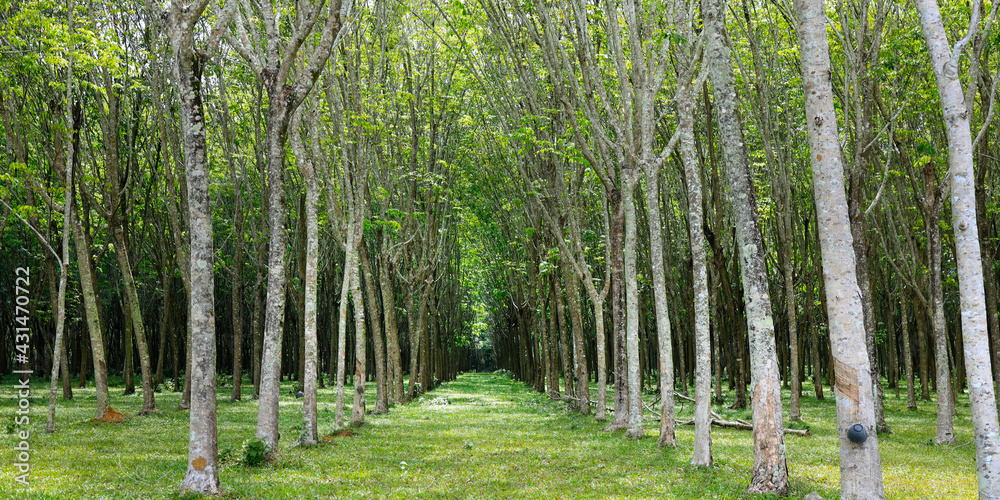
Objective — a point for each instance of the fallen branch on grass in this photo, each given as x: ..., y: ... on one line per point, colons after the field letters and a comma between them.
x: 746, y: 426
x: 716, y: 419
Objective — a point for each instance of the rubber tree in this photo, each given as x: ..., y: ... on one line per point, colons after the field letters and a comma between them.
x: 770, y: 471
x: 860, y: 463
x: 968, y: 257
x: 274, y: 59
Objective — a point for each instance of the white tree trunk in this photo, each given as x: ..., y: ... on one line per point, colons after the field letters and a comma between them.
x: 360, y: 345
x: 345, y: 288
x: 982, y: 398
x: 770, y: 472
x: 630, y: 179
x: 203, y: 448
x: 703, y: 348
x: 59, y: 354
x: 860, y: 464
x: 310, y: 416
x: 274, y: 312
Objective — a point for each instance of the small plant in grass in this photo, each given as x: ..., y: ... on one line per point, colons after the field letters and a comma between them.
x: 225, y: 455
x: 255, y: 452
x: 797, y: 425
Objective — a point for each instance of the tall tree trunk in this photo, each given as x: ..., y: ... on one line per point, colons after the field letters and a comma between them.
x: 310, y: 415
x: 203, y: 450
x: 811, y: 324
x: 911, y: 402
x: 702, y: 454
x: 860, y: 464
x: 982, y: 398
x: 167, y: 282
x: 138, y: 328
x: 256, y: 325
x: 274, y: 315
x: 770, y: 472
x: 93, y: 322
x: 553, y: 340
x: 932, y: 203
x: 564, y: 351
x: 360, y: 343
x: 630, y: 180
x: 580, y: 377
x: 391, y: 329
x: 922, y: 348
x: 618, y: 323
x: 128, y: 349
x: 381, y: 388
x: 341, y: 355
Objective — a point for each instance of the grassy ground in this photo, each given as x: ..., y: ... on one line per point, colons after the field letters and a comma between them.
x: 480, y: 437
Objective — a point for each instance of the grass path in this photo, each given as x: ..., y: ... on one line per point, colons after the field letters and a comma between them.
x: 480, y: 437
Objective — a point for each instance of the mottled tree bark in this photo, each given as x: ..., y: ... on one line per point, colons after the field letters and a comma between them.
x: 391, y: 329
x: 860, y: 464
x: 381, y: 389
x: 360, y: 344
x: 982, y: 398
x: 90, y: 306
x: 911, y: 402
x: 770, y: 472
x: 345, y: 288
x: 202, y: 469
x: 634, y: 430
x: 564, y: 351
x: 580, y: 377
x: 702, y: 454
x: 138, y: 328
x: 274, y: 306
x: 310, y: 415
x: 932, y: 203
x: 553, y: 340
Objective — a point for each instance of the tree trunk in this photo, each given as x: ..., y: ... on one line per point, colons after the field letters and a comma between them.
x: 93, y: 322
x: 255, y: 328
x: 630, y: 179
x: 911, y: 402
x: 564, y: 351
x: 202, y: 471
x: 702, y: 455
x: 345, y: 288
x: 128, y: 349
x: 945, y: 408
x: 770, y: 472
x: 138, y: 328
x: 553, y: 340
x: 274, y: 315
x: 580, y: 376
x: 860, y: 464
x: 982, y: 398
x: 618, y: 323
x: 811, y: 324
x: 167, y: 282
x: 360, y: 343
x: 381, y: 388
x: 237, y: 303
x: 391, y: 330
x: 310, y: 414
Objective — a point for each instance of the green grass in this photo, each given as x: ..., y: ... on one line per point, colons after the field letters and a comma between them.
x: 480, y: 437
